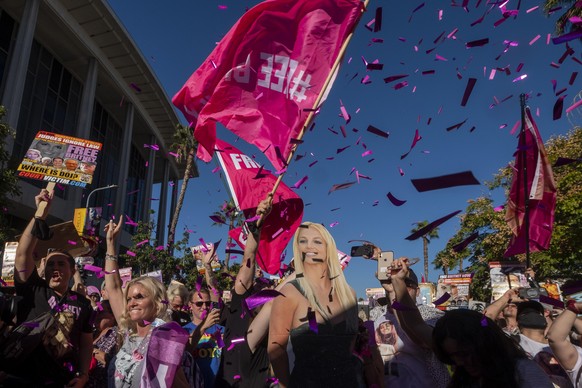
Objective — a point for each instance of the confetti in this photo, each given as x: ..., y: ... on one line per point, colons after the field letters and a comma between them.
x: 463, y: 244
x: 395, y: 201
x: 427, y: 229
x: 470, y: 85
x: 377, y: 131
x: 464, y: 178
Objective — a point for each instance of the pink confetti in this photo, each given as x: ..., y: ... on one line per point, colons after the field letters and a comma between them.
x: 222, y: 7
x: 366, y: 153
x: 401, y: 171
x: 130, y: 253
x: 574, y: 106
x: 470, y: 85
x: 139, y: 244
x: 345, y: 114
x: 534, y: 39
x: 521, y: 77
x: 300, y: 182
x: 71, y: 242
x: 333, y: 224
x: 440, y: 58
x: 532, y: 9
x: 215, y: 170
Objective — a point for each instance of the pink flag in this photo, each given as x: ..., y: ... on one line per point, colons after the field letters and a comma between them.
x: 250, y: 184
x: 542, y: 193
x: 263, y: 78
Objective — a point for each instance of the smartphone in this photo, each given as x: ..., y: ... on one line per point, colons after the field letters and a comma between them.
x: 362, y: 250
x: 384, y: 265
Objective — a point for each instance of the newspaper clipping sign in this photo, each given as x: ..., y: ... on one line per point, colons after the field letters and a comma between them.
x: 61, y: 159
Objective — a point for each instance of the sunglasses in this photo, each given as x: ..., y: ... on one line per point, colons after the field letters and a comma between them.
x: 199, y: 304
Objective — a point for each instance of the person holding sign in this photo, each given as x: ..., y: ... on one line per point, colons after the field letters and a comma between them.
x: 63, y: 358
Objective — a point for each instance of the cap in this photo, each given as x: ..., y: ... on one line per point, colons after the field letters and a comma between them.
x: 93, y: 290
x: 530, y: 314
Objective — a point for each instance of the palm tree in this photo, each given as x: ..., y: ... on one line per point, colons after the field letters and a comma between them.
x: 425, y: 240
x: 186, y: 146
x: 563, y: 20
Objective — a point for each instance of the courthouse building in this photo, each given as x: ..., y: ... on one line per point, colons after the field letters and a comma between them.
x: 70, y: 67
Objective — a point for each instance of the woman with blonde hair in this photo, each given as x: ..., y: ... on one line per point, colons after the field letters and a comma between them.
x: 152, y: 349
x: 177, y: 300
x: 318, y: 313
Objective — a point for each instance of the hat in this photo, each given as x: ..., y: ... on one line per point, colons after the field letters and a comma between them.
x: 530, y: 314
x: 93, y: 290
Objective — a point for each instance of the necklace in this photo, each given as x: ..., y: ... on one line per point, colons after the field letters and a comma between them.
x: 140, y: 351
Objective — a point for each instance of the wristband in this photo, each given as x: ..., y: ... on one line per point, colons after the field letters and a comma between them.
x: 571, y: 305
x: 110, y: 257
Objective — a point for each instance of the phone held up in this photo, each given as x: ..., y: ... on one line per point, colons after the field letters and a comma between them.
x: 362, y: 250
x: 384, y: 265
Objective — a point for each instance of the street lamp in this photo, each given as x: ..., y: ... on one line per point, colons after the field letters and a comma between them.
x: 89, y: 198
x: 97, y: 189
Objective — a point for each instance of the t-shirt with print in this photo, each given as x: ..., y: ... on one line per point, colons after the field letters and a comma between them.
x: 208, y: 352
x: 38, y: 298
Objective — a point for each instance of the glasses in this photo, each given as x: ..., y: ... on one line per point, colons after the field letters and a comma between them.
x: 199, y: 304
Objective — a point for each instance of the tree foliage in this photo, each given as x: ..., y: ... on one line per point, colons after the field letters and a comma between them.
x: 8, y: 179
x: 561, y: 260
x: 571, y: 9
x: 180, y: 266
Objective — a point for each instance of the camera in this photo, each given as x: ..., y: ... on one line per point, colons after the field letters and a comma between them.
x: 362, y: 250
x: 532, y: 293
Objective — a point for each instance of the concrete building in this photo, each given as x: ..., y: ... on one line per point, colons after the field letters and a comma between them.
x: 70, y: 67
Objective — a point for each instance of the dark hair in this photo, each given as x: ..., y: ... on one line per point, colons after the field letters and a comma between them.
x: 495, y: 352
x: 62, y: 252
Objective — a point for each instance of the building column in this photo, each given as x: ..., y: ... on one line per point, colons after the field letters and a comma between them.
x: 124, y: 163
x: 16, y: 75
x: 149, y: 182
x: 86, y: 116
x: 162, y: 209
x: 88, y: 100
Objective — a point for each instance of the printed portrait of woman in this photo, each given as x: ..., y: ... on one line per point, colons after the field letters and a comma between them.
x: 386, y: 339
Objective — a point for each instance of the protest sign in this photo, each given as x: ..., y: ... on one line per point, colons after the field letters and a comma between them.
x: 90, y: 224
x: 200, y: 250
x: 8, y: 263
x: 157, y: 274
x: 125, y: 274
x: 506, y: 274
x: 458, y: 288
x: 60, y: 159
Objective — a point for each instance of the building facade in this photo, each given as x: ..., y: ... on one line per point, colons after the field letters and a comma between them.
x: 70, y: 67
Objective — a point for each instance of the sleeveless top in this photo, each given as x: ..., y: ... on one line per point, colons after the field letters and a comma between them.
x: 325, y: 358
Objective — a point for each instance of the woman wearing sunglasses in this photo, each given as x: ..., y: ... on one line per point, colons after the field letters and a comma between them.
x: 152, y: 350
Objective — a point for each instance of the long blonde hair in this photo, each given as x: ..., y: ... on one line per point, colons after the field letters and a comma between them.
x: 156, y: 291
x: 338, y: 281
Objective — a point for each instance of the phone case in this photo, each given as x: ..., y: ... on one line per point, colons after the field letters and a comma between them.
x: 384, y: 265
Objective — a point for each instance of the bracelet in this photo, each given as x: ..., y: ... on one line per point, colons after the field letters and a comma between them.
x: 571, y: 305
x: 110, y: 257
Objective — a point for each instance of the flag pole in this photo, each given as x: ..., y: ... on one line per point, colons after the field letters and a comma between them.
x: 311, y: 115
x: 525, y: 188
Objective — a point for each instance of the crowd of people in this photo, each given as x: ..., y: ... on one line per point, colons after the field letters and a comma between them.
x: 303, y: 332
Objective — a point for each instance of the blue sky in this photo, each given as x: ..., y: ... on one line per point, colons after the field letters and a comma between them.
x: 175, y: 38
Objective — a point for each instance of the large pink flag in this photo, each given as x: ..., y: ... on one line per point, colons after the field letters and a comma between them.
x: 541, y: 190
x: 265, y: 75
x: 250, y: 184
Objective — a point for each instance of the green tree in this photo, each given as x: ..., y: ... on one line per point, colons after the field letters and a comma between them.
x: 180, y: 265
x: 8, y: 179
x: 186, y: 146
x: 563, y: 20
x: 561, y: 260
x: 425, y: 241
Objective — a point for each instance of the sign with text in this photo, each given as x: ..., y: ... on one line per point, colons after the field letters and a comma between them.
x: 8, y: 259
x: 61, y: 159
x: 457, y: 286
